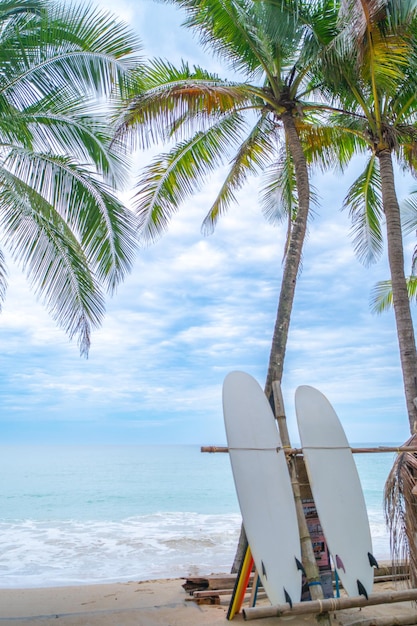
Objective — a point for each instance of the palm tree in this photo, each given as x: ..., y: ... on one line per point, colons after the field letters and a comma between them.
x: 263, y: 124
x: 371, y: 72
x: 59, y: 218
x: 399, y: 493
x: 258, y: 124
x: 372, y: 75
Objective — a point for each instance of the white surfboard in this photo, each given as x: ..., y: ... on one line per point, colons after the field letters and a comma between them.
x: 263, y: 487
x: 336, y: 490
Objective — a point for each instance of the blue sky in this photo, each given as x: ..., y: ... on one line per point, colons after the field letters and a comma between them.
x: 195, y: 308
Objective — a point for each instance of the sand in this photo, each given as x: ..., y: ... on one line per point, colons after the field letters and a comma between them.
x: 159, y: 603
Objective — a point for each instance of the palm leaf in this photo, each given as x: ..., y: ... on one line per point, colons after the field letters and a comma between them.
x: 231, y: 29
x: 59, y: 216
x: 386, y: 61
x: 279, y: 199
x: 409, y: 213
x: 381, y: 296
x: 253, y: 155
x: 106, y: 229
x: 174, y: 176
x: 67, y: 127
x: 3, y: 279
x: 66, y: 47
x: 178, y: 101
x: 43, y: 245
x: 364, y: 203
x: 401, y: 509
x: 328, y: 145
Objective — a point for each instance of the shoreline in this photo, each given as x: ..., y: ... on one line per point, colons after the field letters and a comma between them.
x: 161, y: 602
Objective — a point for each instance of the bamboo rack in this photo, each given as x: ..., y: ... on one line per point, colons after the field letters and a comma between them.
x: 299, y: 451
x: 329, y: 604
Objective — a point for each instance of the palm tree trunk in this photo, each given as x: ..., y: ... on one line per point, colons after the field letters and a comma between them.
x: 293, y: 257
x: 404, y: 322
x: 399, y: 489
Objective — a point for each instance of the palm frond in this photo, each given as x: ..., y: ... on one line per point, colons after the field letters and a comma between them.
x: 386, y: 61
x: 174, y: 176
x: 253, y: 156
x: 105, y: 227
x: 67, y: 47
x: 328, y: 145
x: 59, y: 216
x: 409, y: 213
x: 381, y: 295
x: 40, y: 242
x: 378, y: 41
x: 231, y: 29
x: 400, y: 506
x: 3, y: 279
x: 69, y: 129
x: 364, y: 203
x: 320, y: 21
x: 181, y: 105
x: 279, y: 199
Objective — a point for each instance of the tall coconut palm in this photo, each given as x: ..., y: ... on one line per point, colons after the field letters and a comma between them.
x: 400, y: 488
x: 59, y: 218
x: 372, y: 73
x: 257, y: 124
x: 263, y: 124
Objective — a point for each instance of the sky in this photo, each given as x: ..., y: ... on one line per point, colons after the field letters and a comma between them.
x: 195, y: 308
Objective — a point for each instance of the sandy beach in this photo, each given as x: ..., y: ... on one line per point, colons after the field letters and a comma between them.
x: 161, y: 603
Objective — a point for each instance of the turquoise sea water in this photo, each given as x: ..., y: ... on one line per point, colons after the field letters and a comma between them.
x: 80, y: 514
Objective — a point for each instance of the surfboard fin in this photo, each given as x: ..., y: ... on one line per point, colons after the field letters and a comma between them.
x: 263, y: 570
x: 339, y: 563
x: 288, y: 597
x: 361, y: 589
x: 300, y: 567
x: 372, y: 560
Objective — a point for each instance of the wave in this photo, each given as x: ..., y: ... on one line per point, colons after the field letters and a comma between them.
x: 162, y: 545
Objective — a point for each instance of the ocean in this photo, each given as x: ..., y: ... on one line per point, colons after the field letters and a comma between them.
x: 74, y: 515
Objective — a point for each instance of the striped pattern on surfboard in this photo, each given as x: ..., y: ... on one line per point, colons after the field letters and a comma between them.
x: 242, y: 581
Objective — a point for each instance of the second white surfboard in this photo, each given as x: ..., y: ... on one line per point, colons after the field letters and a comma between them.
x: 336, y: 490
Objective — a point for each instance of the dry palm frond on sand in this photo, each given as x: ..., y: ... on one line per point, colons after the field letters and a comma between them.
x: 400, y: 507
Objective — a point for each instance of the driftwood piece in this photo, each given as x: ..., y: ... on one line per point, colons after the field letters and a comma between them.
x: 223, y: 592
x: 213, y: 582
x: 383, y: 573
x: 330, y: 604
x: 213, y: 599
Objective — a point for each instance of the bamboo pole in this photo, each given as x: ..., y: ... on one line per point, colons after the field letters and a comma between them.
x: 307, y: 552
x: 299, y: 451
x: 330, y: 604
